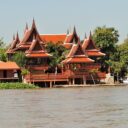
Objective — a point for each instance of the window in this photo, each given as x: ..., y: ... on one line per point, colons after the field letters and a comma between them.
x: 15, y: 74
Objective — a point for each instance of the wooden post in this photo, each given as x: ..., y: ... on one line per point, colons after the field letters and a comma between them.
x: 50, y: 84
x: 73, y: 81
x: 70, y: 82
x: 84, y: 80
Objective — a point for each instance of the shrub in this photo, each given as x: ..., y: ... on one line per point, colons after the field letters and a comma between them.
x: 16, y: 86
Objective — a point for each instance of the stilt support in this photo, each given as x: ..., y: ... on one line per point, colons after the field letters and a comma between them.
x: 73, y: 81
x: 50, y: 84
x: 70, y: 82
x: 84, y: 80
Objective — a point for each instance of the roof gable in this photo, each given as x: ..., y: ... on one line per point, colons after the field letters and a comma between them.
x: 72, y: 37
x: 15, y: 42
x: 89, y: 44
x: 76, y: 50
x: 30, y: 34
x: 35, y: 46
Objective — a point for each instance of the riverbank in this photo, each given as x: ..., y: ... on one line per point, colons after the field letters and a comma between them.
x: 16, y: 86
x: 89, y: 85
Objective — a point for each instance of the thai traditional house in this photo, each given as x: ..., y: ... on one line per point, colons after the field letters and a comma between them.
x: 77, y: 66
x: 9, y: 72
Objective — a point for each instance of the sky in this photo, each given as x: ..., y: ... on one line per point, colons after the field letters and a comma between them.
x: 56, y: 16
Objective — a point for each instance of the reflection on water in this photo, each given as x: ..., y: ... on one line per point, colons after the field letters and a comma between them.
x: 64, y: 108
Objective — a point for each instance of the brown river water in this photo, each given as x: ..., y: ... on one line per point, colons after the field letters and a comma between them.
x: 103, y: 107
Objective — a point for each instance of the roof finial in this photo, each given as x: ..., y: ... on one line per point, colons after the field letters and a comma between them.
x: 33, y: 23
x: 26, y: 27
x: 68, y: 32
x: 74, y: 30
x: 17, y: 36
x: 90, y: 37
x: 85, y: 37
x: 13, y: 36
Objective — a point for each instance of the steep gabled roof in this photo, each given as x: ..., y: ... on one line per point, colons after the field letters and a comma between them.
x: 72, y: 37
x: 35, y: 46
x: 36, y: 50
x: 28, y: 36
x: 26, y: 28
x: 76, y: 50
x: 90, y: 47
x: 77, y: 54
x: 89, y: 44
x: 15, y: 42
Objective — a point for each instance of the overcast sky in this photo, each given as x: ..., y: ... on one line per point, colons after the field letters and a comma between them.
x: 56, y: 16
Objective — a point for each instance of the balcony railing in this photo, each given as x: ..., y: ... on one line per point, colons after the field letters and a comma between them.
x: 48, y: 76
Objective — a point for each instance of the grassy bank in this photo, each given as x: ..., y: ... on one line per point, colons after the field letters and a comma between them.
x: 16, y: 86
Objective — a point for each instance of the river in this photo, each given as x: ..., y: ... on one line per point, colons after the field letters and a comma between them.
x: 103, y: 107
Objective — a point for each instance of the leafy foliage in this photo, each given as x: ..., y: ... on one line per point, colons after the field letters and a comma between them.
x: 3, y: 48
x: 94, y: 71
x: 106, y: 39
x: 2, y: 44
x: 57, y: 51
x: 20, y: 59
x: 16, y: 86
x: 3, y: 55
x: 24, y: 71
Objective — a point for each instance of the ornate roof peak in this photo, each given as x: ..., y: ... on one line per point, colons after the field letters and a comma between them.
x: 90, y: 36
x: 13, y: 36
x: 74, y: 30
x: 33, y: 23
x: 85, y: 36
x: 17, y: 36
x: 26, y: 28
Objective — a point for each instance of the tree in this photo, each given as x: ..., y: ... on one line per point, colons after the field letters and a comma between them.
x: 3, y: 55
x: 115, y: 68
x: 20, y: 59
x: 3, y: 48
x: 123, y: 57
x: 93, y: 72
x: 106, y: 39
x: 57, y: 51
x: 2, y: 44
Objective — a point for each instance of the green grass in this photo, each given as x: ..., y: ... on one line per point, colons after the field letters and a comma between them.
x: 16, y: 86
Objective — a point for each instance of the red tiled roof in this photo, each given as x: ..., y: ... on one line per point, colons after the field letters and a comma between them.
x: 93, y: 53
x: 8, y: 66
x: 78, y: 60
x: 86, y: 43
x: 42, y: 55
x: 77, y: 55
x: 25, y: 46
x: 68, y: 38
x: 53, y: 38
x: 67, y: 45
x: 14, y: 44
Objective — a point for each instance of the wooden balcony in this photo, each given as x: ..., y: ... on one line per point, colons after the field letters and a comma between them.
x: 46, y: 77
x: 68, y: 74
